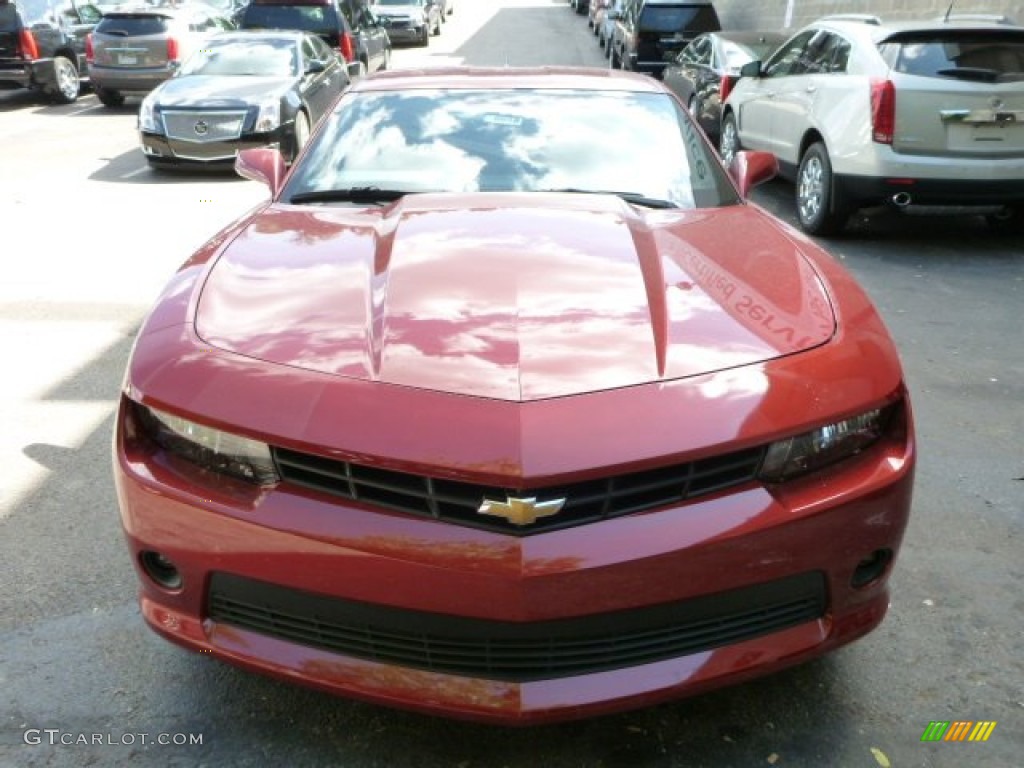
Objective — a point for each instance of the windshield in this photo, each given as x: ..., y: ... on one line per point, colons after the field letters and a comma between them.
x: 308, y: 18
x: 678, y: 18
x: 254, y: 58
x: 514, y: 140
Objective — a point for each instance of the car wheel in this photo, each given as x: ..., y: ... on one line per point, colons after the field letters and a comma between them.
x: 729, y: 142
x: 1008, y: 222
x: 613, y: 58
x: 108, y: 98
x: 425, y: 39
x: 819, y: 210
x: 693, y: 107
x: 66, y: 77
x: 386, y: 64
x: 300, y: 133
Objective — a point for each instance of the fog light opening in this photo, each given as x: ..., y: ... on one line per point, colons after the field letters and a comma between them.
x: 161, y: 570
x: 871, y: 568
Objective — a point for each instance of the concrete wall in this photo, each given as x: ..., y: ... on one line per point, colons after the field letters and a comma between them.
x: 771, y: 14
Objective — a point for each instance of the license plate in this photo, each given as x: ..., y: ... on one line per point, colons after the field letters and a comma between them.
x: 127, y: 60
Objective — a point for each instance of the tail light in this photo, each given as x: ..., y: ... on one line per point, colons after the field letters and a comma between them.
x: 348, y: 49
x: 173, y: 49
x: 728, y: 81
x: 883, y: 111
x: 27, y: 44
x: 90, y: 55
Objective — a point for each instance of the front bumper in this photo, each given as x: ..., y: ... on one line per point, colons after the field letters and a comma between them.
x: 163, y: 151
x: 408, y: 34
x: 298, y: 556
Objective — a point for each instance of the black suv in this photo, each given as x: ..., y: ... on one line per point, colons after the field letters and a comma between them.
x: 649, y: 33
x: 42, y: 45
x: 345, y: 25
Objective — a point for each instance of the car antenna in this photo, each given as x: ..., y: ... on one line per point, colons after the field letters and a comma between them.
x: 949, y: 10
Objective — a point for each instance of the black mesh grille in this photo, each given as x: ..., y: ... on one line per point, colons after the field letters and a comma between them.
x: 512, y: 651
x: 459, y: 502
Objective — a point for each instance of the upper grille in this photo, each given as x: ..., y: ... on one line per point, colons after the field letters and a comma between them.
x: 513, y: 651
x: 458, y: 502
x: 203, y: 126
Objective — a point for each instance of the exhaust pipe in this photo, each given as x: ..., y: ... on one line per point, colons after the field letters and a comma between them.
x: 901, y: 199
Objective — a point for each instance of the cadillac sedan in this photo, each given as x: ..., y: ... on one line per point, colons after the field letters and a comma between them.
x: 242, y: 89
x: 479, y: 419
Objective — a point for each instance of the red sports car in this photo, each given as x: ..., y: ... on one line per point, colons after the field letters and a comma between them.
x: 508, y: 406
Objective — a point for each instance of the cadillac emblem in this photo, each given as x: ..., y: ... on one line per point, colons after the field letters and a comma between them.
x: 201, y: 128
x: 521, y: 511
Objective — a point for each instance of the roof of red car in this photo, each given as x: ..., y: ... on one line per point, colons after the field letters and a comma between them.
x: 570, y: 78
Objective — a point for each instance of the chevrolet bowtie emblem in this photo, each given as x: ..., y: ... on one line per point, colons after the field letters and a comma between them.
x: 521, y: 511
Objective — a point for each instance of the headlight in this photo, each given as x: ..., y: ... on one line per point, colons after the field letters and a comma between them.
x: 804, y: 453
x: 210, y: 448
x: 147, y: 115
x: 269, y: 117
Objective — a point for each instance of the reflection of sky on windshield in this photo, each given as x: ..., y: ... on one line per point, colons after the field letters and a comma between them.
x: 466, y: 141
x: 265, y: 58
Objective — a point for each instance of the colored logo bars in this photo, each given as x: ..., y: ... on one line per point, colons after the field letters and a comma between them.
x: 958, y: 730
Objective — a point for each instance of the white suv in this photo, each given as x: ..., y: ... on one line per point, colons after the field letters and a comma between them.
x: 861, y: 113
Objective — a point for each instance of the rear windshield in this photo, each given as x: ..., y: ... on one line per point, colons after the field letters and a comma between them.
x: 8, y: 18
x: 132, y: 25
x: 985, y: 56
x: 679, y: 18
x: 320, y: 19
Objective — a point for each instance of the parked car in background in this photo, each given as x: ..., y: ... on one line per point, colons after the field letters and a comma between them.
x: 605, y: 25
x: 580, y: 6
x: 593, y: 9
x: 42, y: 46
x: 705, y: 71
x: 910, y: 114
x: 475, y: 418
x: 651, y: 32
x: 410, y: 21
x: 343, y: 24
x: 134, y: 49
x: 241, y: 89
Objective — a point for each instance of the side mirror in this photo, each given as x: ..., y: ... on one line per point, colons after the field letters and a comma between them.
x: 262, y: 164
x: 751, y: 69
x: 748, y: 169
x: 315, y: 67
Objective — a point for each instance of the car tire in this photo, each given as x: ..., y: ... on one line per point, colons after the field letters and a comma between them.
x: 386, y: 64
x: 300, y: 133
x: 729, y: 141
x: 693, y: 108
x: 425, y: 39
x: 108, y: 98
x: 819, y: 209
x: 66, y: 82
x: 1009, y: 222
x: 437, y: 26
x: 613, y: 58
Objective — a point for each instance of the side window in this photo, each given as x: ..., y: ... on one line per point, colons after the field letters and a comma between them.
x: 838, y: 55
x: 786, y: 60
x: 321, y: 50
x: 817, y: 59
x: 702, y: 51
x: 309, y: 53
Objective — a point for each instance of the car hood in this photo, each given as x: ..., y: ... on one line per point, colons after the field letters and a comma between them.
x: 220, y: 90
x: 513, y: 296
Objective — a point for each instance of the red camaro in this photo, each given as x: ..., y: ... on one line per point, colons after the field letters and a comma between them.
x: 508, y: 406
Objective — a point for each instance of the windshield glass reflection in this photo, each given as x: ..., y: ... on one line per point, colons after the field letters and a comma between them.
x: 514, y: 140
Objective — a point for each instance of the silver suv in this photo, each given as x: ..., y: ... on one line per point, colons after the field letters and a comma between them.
x: 136, y: 49
x: 922, y: 115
